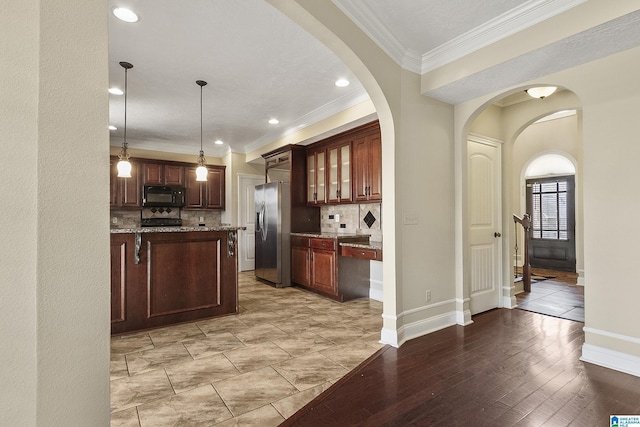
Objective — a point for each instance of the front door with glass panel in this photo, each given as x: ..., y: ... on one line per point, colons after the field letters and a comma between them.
x: 551, y: 204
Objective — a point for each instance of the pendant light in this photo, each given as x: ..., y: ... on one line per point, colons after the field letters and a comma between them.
x: 201, y: 170
x: 124, y: 166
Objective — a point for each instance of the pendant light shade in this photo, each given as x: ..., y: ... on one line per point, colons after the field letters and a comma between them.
x: 541, y: 92
x: 201, y: 170
x: 124, y: 166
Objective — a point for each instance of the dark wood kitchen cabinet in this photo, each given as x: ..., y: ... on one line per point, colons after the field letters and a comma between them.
x: 162, y: 174
x: 300, y: 261
x: 314, y: 266
x: 339, y: 173
x: 313, y: 262
x: 205, y: 195
x: 367, y: 168
x: 316, y: 176
x: 169, y: 278
x: 125, y: 192
x: 346, y: 168
x: 288, y: 164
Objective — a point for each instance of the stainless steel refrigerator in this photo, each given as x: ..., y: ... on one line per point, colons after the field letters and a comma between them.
x: 273, y: 228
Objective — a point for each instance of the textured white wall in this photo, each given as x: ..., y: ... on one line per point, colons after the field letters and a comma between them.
x: 55, y: 260
x: 18, y: 246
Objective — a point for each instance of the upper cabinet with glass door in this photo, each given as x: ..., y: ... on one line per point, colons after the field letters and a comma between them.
x: 316, y: 177
x: 339, y: 159
x: 345, y: 168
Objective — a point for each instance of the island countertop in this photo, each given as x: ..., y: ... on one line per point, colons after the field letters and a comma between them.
x: 173, y: 229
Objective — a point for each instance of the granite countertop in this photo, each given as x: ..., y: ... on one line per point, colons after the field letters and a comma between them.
x: 333, y: 235
x: 173, y: 229
x: 370, y: 245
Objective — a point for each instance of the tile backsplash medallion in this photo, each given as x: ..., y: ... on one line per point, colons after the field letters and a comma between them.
x: 364, y: 218
x: 131, y: 218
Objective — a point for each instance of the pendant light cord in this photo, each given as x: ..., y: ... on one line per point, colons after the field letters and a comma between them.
x: 125, y: 108
x: 126, y: 66
x: 201, y: 152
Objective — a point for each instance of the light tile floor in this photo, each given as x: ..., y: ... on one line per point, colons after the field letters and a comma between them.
x: 554, y: 294
x: 256, y: 368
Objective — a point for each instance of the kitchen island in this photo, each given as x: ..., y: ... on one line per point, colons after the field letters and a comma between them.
x: 166, y: 275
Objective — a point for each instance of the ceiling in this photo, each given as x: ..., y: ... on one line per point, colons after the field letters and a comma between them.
x: 261, y: 65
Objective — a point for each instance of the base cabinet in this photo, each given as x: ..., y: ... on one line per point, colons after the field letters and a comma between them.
x: 314, y: 266
x: 177, y: 277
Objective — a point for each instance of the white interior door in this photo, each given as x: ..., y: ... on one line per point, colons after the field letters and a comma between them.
x: 247, y: 218
x: 484, y: 201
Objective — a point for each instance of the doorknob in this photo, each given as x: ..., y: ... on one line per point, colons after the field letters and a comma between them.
x: 496, y: 234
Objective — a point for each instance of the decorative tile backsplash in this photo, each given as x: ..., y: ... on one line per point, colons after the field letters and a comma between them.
x: 131, y: 218
x: 365, y: 218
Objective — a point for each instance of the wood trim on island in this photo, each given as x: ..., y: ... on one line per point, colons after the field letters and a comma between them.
x: 180, y: 277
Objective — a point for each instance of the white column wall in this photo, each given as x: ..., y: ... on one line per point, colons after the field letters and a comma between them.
x: 55, y: 247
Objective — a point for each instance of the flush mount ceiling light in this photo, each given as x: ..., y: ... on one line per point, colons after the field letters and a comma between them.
x: 274, y: 121
x: 124, y: 167
x: 115, y: 91
x: 124, y: 14
x: 541, y: 91
x: 112, y: 127
x: 342, y: 83
x: 218, y: 142
x: 201, y: 170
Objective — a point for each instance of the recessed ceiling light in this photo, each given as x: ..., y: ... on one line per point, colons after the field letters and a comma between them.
x: 124, y: 14
x: 112, y: 127
x: 115, y: 91
x: 342, y: 82
x: 218, y: 142
x: 274, y: 121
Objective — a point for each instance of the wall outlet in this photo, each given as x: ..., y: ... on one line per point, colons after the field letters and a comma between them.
x: 201, y: 219
x: 330, y: 216
x: 114, y: 220
x: 428, y: 295
x: 337, y: 217
x: 343, y: 225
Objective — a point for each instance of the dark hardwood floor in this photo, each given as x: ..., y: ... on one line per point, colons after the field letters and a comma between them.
x: 509, y: 367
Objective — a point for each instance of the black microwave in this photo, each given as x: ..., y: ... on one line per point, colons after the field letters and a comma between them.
x: 163, y: 196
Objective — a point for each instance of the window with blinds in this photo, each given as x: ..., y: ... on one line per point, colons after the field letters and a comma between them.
x: 549, y: 217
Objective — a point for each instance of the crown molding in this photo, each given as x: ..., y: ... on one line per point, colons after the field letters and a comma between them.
x: 377, y: 31
x: 501, y: 27
x: 509, y: 23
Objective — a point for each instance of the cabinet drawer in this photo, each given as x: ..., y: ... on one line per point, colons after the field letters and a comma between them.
x: 328, y: 244
x: 353, y: 252
x: 300, y: 241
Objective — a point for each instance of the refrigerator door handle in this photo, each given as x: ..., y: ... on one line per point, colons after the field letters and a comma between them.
x: 263, y: 229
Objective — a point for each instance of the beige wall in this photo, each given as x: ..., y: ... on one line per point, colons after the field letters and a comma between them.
x: 55, y: 270
x: 237, y: 165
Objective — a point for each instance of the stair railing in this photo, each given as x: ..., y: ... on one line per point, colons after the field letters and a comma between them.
x: 525, y: 221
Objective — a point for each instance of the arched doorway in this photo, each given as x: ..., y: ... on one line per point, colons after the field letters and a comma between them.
x: 550, y: 201
x: 513, y: 123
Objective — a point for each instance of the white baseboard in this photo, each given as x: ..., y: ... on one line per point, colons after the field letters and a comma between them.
x: 376, y: 294
x: 611, y: 359
x: 390, y: 337
x: 425, y: 326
